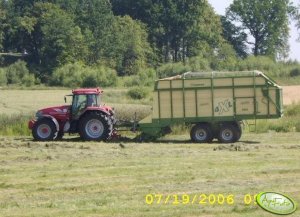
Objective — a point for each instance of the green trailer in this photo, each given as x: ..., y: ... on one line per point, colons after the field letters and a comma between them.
x: 215, y: 103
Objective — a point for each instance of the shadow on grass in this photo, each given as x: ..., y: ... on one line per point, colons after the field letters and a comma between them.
x: 135, y: 140
x: 250, y: 142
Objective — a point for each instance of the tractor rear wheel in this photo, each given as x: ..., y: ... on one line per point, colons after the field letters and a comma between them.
x: 201, y: 133
x: 44, y: 130
x: 95, y: 127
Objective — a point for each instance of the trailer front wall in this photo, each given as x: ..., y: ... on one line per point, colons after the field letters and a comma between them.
x: 216, y: 98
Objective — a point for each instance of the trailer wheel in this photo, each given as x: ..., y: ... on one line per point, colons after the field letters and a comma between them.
x: 95, y: 127
x: 44, y: 130
x: 201, y: 133
x: 229, y: 133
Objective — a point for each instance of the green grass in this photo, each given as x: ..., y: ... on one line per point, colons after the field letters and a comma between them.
x: 29, y: 101
x: 16, y: 124
x: 287, y: 80
x: 18, y: 106
x: 290, y: 122
x: 73, y: 178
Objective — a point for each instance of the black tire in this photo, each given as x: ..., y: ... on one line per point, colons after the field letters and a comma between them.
x: 229, y: 133
x: 101, y: 124
x: 201, y: 133
x: 239, y: 132
x: 44, y: 130
x: 60, y: 135
x: 113, y: 120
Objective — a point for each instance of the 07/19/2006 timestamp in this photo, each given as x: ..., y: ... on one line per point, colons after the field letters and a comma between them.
x: 200, y: 199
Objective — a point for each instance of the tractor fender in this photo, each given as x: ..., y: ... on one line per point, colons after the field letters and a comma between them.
x: 53, y: 119
x: 105, y: 112
x: 102, y: 111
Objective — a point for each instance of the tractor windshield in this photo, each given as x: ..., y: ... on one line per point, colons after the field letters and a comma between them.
x: 81, y: 102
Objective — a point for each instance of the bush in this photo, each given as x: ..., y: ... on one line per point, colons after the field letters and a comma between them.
x: 172, y: 69
x: 195, y: 64
x: 106, y: 77
x: 28, y: 80
x: 265, y: 64
x: 79, y: 75
x: 18, y: 73
x: 69, y: 75
x: 224, y: 58
x: 198, y: 63
x: 90, y: 80
x: 295, y: 72
x: 3, y: 79
x: 101, y: 76
x: 137, y: 93
x: 145, y: 77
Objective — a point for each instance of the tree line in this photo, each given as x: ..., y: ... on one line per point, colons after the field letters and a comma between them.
x: 125, y: 37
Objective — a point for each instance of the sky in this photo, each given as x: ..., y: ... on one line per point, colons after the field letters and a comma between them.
x: 221, y: 5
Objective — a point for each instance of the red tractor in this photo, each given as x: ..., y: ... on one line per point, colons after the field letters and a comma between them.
x: 85, y: 116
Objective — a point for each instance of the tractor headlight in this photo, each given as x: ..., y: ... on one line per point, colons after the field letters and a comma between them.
x: 39, y: 114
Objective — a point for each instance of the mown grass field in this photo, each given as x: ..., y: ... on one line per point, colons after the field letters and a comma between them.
x: 73, y: 178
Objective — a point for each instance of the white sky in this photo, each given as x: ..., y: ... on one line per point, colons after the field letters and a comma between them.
x: 221, y: 5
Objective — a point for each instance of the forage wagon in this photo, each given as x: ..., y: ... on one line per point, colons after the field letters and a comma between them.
x: 214, y: 102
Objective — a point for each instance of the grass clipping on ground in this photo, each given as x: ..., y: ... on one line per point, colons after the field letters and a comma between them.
x: 73, y: 178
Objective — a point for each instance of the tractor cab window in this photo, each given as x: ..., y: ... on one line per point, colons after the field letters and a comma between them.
x: 98, y: 98
x: 79, y: 104
x: 92, y: 100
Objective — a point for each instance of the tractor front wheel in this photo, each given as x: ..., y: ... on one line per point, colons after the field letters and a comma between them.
x: 44, y: 130
x: 95, y: 127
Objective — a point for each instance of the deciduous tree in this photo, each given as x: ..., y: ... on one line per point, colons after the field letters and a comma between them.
x: 266, y: 21
x: 235, y: 36
x: 177, y: 28
x: 129, y: 46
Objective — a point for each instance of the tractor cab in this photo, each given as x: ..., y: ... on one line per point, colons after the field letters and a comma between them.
x: 84, y: 99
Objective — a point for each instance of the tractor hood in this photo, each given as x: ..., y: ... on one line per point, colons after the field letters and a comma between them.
x: 53, y: 111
